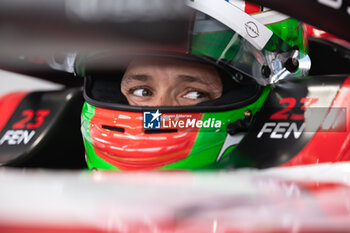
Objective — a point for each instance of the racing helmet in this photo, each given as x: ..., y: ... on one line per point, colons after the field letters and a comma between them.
x: 250, y: 48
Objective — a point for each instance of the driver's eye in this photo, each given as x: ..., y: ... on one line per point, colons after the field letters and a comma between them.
x: 193, y: 95
x: 141, y: 92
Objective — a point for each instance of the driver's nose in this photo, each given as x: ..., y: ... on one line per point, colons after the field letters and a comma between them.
x: 165, y: 100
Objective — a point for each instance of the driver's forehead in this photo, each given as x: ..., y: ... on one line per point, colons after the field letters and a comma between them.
x: 152, y: 65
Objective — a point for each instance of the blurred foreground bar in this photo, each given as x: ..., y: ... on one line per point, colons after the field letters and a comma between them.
x: 31, y: 26
x: 33, y: 33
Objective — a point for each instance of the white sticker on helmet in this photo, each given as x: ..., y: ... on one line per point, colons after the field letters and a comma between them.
x: 238, y: 3
x: 270, y: 17
x: 266, y: 16
x: 249, y: 28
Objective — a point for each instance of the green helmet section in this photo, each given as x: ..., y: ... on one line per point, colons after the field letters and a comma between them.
x: 205, y: 151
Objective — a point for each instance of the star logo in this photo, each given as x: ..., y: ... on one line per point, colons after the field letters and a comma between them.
x: 151, y: 120
x: 155, y: 115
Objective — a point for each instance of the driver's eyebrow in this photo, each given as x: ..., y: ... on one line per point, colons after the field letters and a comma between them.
x: 191, y: 79
x: 138, y: 77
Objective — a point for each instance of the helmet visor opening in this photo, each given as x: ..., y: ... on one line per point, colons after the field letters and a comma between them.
x: 121, y: 81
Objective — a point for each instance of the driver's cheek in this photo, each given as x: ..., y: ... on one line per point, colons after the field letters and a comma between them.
x: 185, y: 102
x: 139, y: 101
x: 182, y: 101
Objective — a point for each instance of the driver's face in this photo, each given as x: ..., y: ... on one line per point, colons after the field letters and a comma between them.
x: 169, y: 82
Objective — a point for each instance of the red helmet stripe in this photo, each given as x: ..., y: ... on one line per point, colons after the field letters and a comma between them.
x: 134, y: 149
x: 251, y: 8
